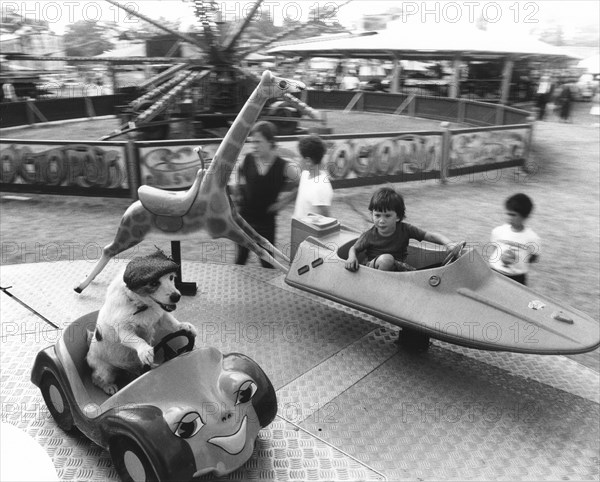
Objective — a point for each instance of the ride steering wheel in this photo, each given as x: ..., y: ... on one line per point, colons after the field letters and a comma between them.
x: 454, y: 253
x: 168, y: 352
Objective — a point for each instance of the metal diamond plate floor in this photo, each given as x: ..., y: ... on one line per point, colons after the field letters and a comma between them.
x: 352, y: 406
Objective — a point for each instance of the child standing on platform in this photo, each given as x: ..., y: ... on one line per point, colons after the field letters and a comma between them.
x: 515, y: 245
x: 315, y: 193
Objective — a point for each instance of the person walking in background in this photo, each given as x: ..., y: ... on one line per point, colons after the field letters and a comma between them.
x: 564, y: 100
x: 515, y: 245
x: 595, y: 109
x: 339, y: 74
x: 262, y: 178
x: 544, y: 94
x: 315, y: 193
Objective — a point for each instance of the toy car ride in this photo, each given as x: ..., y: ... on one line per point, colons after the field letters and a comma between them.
x: 198, y: 412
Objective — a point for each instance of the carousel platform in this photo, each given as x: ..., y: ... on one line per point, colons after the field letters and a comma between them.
x: 352, y: 404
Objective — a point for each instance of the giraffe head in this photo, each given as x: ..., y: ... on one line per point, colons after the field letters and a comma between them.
x: 272, y: 86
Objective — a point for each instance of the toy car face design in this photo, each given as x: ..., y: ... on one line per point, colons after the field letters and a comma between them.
x: 206, y: 401
x: 197, y: 413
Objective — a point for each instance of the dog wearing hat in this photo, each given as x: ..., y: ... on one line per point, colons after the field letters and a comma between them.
x: 136, y: 305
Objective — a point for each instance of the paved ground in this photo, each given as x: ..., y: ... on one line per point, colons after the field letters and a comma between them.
x: 352, y: 405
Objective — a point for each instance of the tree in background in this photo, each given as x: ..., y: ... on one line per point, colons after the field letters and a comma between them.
x: 86, y: 39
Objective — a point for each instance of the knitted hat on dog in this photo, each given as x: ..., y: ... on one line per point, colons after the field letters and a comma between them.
x: 144, y: 269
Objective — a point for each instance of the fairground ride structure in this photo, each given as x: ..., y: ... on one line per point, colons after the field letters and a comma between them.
x: 205, y: 89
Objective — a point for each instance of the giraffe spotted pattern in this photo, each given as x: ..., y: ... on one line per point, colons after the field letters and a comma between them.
x: 211, y: 210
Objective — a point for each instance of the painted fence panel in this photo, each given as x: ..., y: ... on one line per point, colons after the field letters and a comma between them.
x: 350, y: 160
x: 481, y: 148
x: 118, y: 168
x: 63, y: 167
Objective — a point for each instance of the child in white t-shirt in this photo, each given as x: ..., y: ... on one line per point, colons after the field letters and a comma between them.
x: 315, y: 193
x: 515, y: 245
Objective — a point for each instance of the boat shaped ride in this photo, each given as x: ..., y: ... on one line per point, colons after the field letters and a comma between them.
x: 462, y: 302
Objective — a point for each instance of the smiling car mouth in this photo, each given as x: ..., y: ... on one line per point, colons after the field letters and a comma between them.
x: 234, y: 443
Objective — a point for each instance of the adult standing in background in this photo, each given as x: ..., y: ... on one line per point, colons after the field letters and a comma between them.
x: 262, y: 177
x: 564, y: 100
x: 544, y: 94
x: 595, y: 109
x: 339, y: 74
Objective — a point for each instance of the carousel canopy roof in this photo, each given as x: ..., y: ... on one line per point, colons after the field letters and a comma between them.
x: 132, y: 50
x: 591, y: 64
x: 423, y: 42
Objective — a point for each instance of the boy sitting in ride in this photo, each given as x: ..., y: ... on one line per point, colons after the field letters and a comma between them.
x: 384, y: 246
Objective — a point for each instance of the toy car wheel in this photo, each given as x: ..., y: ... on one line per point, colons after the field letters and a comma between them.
x: 131, y: 462
x: 57, y: 402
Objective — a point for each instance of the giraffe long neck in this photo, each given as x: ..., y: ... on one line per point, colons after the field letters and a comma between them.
x: 227, y: 154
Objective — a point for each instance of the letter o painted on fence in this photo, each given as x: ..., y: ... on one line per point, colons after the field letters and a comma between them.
x: 362, y: 159
x: 385, y: 157
x: 9, y: 165
x: 340, y: 160
x: 28, y: 166
x: 94, y: 170
x: 54, y: 177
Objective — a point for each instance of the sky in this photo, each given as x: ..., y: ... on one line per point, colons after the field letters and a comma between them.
x: 502, y: 14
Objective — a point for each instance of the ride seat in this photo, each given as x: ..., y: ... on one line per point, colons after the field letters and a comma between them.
x: 344, y: 250
x: 76, y: 340
x: 417, y: 256
x: 169, y: 203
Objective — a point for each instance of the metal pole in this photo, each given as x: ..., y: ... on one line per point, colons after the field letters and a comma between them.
x: 186, y: 288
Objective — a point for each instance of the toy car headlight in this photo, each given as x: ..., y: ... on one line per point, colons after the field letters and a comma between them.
x: 184, y: 423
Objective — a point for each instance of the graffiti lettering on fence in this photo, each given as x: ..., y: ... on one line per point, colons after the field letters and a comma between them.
x: 352, y: 158
x: 476, y: 148
x: 78, y: 165
x: 170, y: 168
x: 345, y: 159
x: 91, y: 166
x: 407, y: 153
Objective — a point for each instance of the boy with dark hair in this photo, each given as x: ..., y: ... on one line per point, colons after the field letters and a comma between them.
x: 385, y: 244
x: 315, y: 193
x: 515, y: 245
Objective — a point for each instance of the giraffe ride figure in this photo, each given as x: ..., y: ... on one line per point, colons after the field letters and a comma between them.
x: 206, y: 206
